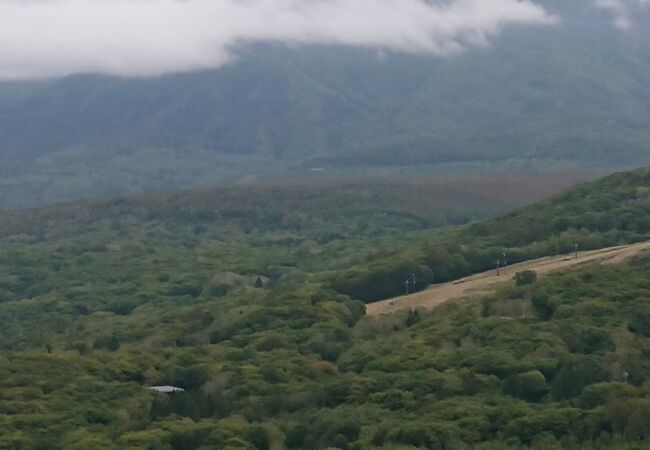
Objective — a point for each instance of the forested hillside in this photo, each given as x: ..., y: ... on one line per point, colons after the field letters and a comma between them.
x: 115, y: 256
x: 231, y: 295
x: 569, y: 96
x: 610, y: 211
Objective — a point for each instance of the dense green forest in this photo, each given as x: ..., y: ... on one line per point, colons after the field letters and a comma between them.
x: 115, y: 255
x: 251, y: 299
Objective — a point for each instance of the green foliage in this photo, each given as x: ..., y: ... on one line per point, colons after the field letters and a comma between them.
x: 412, y: 318
x: 574, y: 375
x: 380, y: 281
x: 558, y: 224
x: 525, y: 277
x: 91, y: 318
x: 530, y: 386
x: 640, y: 323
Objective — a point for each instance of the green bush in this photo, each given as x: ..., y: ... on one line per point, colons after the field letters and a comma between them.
x: 530, y: 386
x: 525, y: 277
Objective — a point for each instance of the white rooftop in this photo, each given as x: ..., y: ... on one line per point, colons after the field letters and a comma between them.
x: 166, y: 389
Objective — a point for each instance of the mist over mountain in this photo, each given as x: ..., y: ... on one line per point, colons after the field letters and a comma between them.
x: 575, y: 93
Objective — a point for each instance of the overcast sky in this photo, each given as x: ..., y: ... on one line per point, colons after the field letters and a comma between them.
x: 623, y: 11
x: 52, y: 38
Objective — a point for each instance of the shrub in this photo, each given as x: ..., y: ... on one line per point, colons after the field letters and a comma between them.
x: 574, y: 375
x: 190, y: 289
x: 525, y: 277
x: 530, y: 386
x: 324, y: 367
x: 640, y: 323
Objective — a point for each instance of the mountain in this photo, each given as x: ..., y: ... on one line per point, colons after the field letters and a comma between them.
x: 232, y: 295
x: 574, y: 95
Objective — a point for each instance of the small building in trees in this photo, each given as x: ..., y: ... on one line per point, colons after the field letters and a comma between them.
x: 166, y: 389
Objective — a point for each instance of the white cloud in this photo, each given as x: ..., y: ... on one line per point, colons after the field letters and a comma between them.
x: 53, y: 38
x: 623, y: 12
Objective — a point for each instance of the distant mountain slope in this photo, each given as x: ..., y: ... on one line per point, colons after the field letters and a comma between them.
x: 577, y: 94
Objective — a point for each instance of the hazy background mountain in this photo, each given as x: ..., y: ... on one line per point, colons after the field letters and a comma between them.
x: 576, y: 95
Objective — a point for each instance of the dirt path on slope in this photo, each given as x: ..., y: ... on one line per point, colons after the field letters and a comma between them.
x: 486, y: 282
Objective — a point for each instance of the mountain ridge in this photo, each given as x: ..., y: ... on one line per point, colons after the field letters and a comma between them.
x: 575, y: 96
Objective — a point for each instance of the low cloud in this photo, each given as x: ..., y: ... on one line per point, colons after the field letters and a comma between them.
x: 140, y: 38
x: 623, y: 12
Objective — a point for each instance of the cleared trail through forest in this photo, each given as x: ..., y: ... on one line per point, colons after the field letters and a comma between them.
x: 487, y: 282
